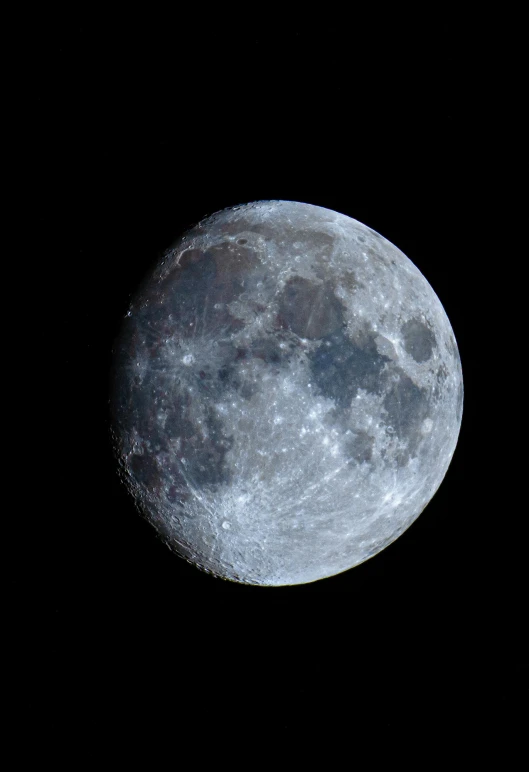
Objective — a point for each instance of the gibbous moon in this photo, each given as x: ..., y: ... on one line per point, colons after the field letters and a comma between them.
x: 287, y: 394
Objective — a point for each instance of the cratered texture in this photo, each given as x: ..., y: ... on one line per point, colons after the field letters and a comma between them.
x: 287, y: 394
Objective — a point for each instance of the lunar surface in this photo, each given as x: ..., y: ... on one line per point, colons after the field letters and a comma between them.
x: 287, y: 394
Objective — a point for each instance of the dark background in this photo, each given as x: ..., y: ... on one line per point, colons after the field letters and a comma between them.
x: 137, y: 131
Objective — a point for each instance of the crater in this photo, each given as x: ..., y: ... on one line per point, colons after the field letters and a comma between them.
x: 419, y: 340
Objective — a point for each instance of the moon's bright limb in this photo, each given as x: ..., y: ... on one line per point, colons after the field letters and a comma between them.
x: 287, y: 394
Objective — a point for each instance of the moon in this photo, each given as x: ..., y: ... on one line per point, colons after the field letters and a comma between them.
x: 286, y: 395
